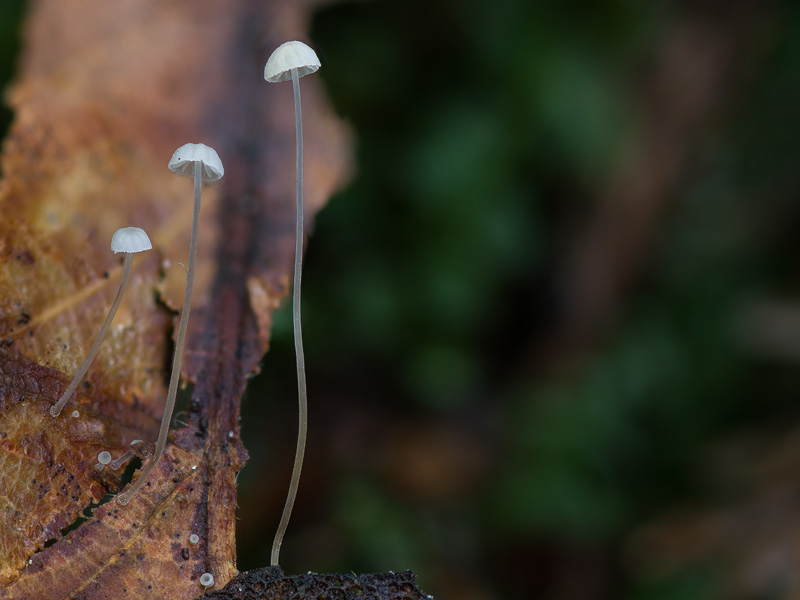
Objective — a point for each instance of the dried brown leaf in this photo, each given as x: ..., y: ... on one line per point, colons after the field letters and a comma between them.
x: 106, y: 92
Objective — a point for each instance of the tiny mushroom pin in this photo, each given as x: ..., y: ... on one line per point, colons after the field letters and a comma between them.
x: 129, y: 240
x: 203, y: 164
x: 293, y: 60
x: 206, y: 580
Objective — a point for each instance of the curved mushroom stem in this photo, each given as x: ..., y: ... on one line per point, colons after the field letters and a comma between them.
x: 302, y: 430
x: 55, y: 410
x: 177, y: 358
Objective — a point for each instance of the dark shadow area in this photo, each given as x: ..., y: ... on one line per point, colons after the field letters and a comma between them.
x: 11, y: 13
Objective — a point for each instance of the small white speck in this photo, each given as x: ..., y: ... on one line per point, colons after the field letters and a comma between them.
x: 194, y: 538
x: 75, y: 414
x: 194, y: 467
x: 429, y: 597
x: 30, y: 561
x: 230, y: 435
x: 104, y: 457
x: 135, y: 442
x: 206, y: 580
x: 391, y: 572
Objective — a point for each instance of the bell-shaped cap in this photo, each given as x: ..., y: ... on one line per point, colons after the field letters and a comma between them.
x: 185, y: 157
x: 130, y: 239
x: 288, y: 56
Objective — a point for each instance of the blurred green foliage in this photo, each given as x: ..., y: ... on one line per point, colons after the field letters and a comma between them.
x: 482, y: 128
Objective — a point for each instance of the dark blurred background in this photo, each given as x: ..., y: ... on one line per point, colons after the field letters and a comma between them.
x: 553, y: 325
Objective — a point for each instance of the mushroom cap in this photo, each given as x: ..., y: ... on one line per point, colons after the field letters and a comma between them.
x: 288, y: 56
x: 184, y: 158
x: 130, y: 239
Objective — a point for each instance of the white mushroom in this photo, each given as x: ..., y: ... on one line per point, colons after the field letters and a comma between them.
x: 202, y: 163
x: 290, y: 59
x: 206, y: 580
x: 294, y: 60
x: 128, y: 240
x: 187, y: 159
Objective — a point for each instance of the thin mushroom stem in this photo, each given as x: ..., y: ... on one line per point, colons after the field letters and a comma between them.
x: 302, y: 396
x: 55, y: 410
x: 120, y: 460
x: 180, y: 340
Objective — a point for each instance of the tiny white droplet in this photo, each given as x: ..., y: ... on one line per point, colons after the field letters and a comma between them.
x: 206, y: 580
x: 194, y: 538
x: 104, y: 457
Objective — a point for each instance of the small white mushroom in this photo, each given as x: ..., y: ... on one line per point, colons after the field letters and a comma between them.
x: 194, y: 538
x: 206, y: 580
x: 187, y: 159
x: 104, y: 457
x: 293, y: 60
x: 128, y: 240
x: 290, y: 56
x: 203, y: 164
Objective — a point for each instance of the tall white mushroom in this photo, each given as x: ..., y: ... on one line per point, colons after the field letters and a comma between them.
x: 203, y: 164
x: 128, y: 240
x: 293, y: 60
